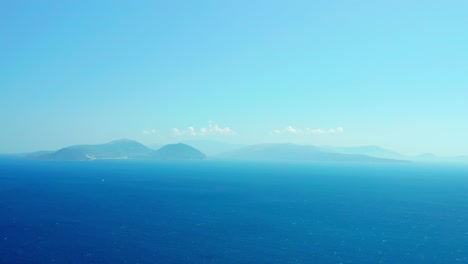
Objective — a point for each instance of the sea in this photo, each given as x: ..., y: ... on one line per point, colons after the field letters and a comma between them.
x: 124, y: 211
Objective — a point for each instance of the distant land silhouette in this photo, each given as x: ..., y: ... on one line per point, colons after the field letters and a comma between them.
x: 373, y: 151
x: 130, y: 149
x: 120, y: 149
x: 178, y: 152
x: 293, y: 152
x: 206, y: 149
x: 212, y: 147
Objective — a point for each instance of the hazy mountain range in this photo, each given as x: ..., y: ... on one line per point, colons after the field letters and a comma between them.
x: 379, y: 152
x: 217, y: 150
x: 206, y: 149
x: 120, y: 149
x: 293, y: 152
x: 129, y: 149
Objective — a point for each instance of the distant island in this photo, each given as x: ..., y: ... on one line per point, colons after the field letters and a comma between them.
x: 121, y: 149
x: 178, y: 151
x: 130, y: 149
x: 294, y: 152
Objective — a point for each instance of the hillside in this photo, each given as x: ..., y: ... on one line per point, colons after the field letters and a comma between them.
x: 178, y: 152
x: 118, y: 149
x: 293, y: 152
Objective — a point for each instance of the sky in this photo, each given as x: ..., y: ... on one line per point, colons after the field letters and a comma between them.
x: 340, y: 73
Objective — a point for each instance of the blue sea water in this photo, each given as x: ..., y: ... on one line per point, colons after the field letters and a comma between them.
x: 231, y: 212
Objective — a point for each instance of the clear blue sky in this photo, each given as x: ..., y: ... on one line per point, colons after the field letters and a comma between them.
x: 388, y: 73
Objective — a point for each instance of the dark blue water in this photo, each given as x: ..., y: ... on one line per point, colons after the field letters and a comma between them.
x: 214, y: 212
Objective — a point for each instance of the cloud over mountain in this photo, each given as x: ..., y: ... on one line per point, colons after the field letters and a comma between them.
x: 211, y: 129
x: 149, y: 131
x: 307, y: 131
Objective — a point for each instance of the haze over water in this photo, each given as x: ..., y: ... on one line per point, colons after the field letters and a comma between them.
x: 324, y: 73
x: 97, y: 98
x: 231, y: 212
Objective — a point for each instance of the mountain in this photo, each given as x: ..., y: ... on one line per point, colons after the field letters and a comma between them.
x: 211, y: 147
x: 373, y: 151
x: 130, y: 149
x: 293, y: 152
x: 178, y: 152
x: 118, y: 149
x: 154, y: 146
x: 378, y: 152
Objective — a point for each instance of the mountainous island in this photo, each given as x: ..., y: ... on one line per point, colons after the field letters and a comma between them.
x: 179, y: 152
x: 121, y: 149
x: 130, y: 149
x: 293, y: 152
x: 213, y: 150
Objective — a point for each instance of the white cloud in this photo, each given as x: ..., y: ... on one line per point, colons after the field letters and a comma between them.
x: 277, y: 132
x: 308, y: 131
x: 149, y: 131
x: 292, y: 130
x: 177, y: 132
x: 212, y: 129
x: 317, y: 131
x: 192, y: 131
x: 215, y: 129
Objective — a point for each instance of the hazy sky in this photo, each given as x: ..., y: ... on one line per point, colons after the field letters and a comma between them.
x: 346, y: 73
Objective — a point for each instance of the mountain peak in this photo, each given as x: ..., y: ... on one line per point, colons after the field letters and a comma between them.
x: 117, y: 149
x: 121, y: 149
x: 123, y: 140
x: 179, y: 151
x: 294, y: 152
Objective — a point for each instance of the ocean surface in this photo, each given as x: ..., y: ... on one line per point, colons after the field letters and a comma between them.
x: 231, y: 212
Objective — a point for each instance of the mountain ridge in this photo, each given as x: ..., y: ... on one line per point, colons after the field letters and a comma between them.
x: 131, y: 149
x: 295, y: 152
x: 117, y: 149
x: 178, y: 151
